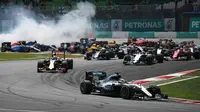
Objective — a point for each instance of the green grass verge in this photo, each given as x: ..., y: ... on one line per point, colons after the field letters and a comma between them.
x: 189, y: 89
x: 25, y: 56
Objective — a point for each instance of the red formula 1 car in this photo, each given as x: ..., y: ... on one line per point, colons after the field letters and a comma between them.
x: 181, y: 54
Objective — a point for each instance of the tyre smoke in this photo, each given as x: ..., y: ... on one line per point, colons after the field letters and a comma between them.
x: 69, y: 27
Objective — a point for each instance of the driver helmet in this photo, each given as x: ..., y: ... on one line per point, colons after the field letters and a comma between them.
x: 54, y: 57
x: 116, y: 76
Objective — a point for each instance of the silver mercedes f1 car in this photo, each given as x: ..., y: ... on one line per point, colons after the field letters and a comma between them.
x: 98, y: 82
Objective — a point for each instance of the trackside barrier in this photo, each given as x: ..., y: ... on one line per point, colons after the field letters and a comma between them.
x: 165, y: 35
x: 119, y: 34
x: 187, y: 35
x: 103, y: 34
x: 141, y: 34
x: 161, y: 35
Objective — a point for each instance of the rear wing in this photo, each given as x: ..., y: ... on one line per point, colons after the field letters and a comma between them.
x: 97, y: 74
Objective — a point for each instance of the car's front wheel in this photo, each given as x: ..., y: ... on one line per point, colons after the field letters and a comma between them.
x: 126, y: 92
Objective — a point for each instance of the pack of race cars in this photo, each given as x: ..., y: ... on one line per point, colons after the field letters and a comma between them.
x: 134, y: 51
x: 137, y: 51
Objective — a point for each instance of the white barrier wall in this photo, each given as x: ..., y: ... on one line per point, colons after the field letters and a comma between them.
x: 119, y: 34
x: 167, y: 35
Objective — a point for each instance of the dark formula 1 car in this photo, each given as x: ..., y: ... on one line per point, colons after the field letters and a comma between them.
x: 100, y: 55
x: 137, y: 55
x: 55, y: 64
x: 98, y: 82
x: 5, y: 46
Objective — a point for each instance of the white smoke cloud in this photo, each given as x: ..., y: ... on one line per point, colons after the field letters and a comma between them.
x: 69, y: 27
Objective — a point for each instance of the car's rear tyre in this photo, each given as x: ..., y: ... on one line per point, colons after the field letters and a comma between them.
x: 3, y: 49
x: 149, y: 60
x: 40, y: 64
x: 70, y: 63
x: 126, y: 92
x: 86, y: 87
x: 64, y: 66
x: 188, y: 57
x: 127, y: 58
x: 160, y: 58
x: 196, y: 55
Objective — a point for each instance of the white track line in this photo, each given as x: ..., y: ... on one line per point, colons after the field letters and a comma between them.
x: 178, y: 81
x: 15, y: 110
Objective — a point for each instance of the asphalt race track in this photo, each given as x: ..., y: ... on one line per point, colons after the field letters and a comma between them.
x: 24, y: 90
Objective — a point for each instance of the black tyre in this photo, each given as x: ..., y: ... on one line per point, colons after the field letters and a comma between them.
x: 196, y: 55
x: 127, y: 58
x: 159, y: 58
x: 40, y: 64
x: 188, y: 57
x: 120, y: 56
x: 107, y: 58
x: 165, y: 96
x: 70, y: 64
x: 64, y: 66
x: 86, y: 87
x: 149, y: 60
x: 154, y: 90
x: 3, y: 49
x: 88, y: 56
x: 83, y: 51
x: 126, y: 92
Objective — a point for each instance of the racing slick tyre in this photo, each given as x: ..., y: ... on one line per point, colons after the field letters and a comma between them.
x: 70, y: 64
x: 159, y: 58
x: 64, y: 66
x: 126, y: 92
x: 3, y: 49
x: 86, y: 87
x: 89, y: 56
x: 196, y: 55
x: 40, y: 64
x: 164, y: 96
x: 127, y: 58
x: 149, y: 60
x: 188, y: 57
x: 120, y: 56
x: 107, y: 58
x: 154, y: 90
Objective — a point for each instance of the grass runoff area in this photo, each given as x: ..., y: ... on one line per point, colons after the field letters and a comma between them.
x: 186, y: 87
x: 26, y: 56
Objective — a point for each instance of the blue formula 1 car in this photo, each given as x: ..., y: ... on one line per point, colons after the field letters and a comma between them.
x: 23, y: 46
x: 99, y: 82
